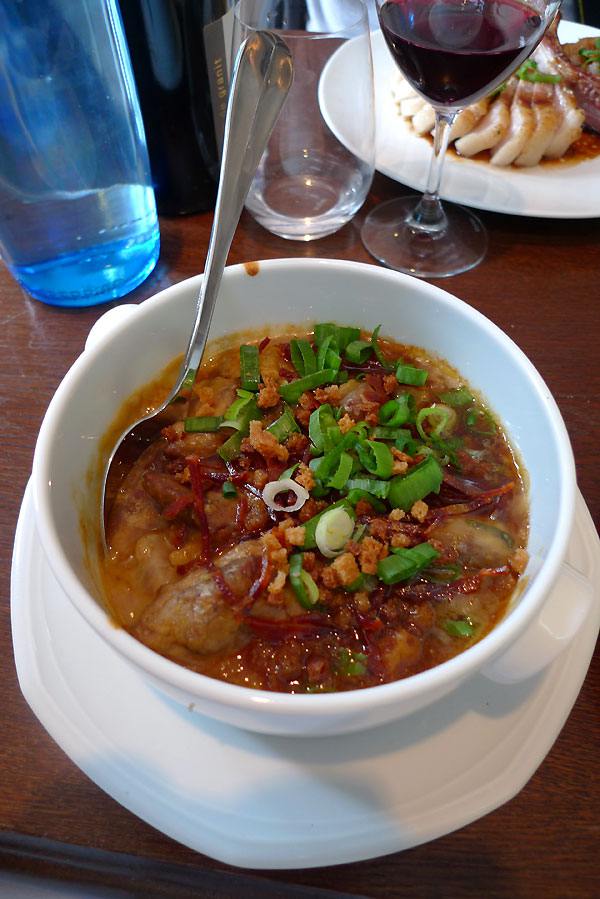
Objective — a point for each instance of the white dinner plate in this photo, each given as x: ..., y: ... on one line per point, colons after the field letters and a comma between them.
x: 545, y: 191
x: 260, y: 801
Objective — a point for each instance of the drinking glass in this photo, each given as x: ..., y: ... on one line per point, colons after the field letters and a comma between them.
x: 452, y: 52
x: 309, y: 182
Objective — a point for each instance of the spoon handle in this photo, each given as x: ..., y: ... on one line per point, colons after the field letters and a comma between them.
x: 261, y: 80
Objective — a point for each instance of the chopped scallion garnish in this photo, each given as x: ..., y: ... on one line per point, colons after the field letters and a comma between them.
x: 397, y: 411
x: 293, y: 390
x: 283, y: 426
x: 402, y: 563
x: 303, y: 357
x: 358, y: 351
x: 410, y: 374
x: 424, y: 478
x: 529, y: 71
x: 351, y: 664
x: 249, y: 367
x: 388, y: 366
x: 202, y: 424
x: 307, y: 592
x: 376, y: 457
x: 459, y: 627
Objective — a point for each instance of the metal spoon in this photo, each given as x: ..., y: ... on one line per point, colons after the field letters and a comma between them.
x: 262, y: 77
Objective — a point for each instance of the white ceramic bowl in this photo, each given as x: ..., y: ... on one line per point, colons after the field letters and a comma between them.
x: 131, y: 344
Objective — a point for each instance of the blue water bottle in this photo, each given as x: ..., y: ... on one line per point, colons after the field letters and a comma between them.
x: 78, y: 223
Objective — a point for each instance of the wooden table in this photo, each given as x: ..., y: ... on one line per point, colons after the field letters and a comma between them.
x: 541, y: 283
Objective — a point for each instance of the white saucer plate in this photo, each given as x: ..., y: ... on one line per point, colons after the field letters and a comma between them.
x: 561, y: 191
x: 259, y: 801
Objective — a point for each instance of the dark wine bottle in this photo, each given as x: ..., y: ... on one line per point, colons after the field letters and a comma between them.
x: 179, y: 55
x: 589, y: 12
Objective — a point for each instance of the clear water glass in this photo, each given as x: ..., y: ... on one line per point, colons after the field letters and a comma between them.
x: 309, y: 183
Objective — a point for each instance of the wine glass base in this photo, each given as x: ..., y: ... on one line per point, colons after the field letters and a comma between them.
x: 458, y: 247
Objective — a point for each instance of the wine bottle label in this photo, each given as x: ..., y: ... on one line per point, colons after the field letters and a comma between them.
x: 217, y: 46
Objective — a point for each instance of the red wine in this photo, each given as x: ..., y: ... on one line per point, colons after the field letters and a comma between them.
x: 453, y: 51
x: 177, y: 50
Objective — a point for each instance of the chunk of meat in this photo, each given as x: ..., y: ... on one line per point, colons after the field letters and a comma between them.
x: 213, y: 398
x: 584, y: 80
x: 221, y: 512
x: 547, y: 120
x: 468, y: 118
x: 490, y: 129
x: 570, y: 126
x: 154, y: 569
x: 520, y: 129
x: 133, y: 512
x: 192, y: 614
x: 475, y: 541
x: 361, y: 401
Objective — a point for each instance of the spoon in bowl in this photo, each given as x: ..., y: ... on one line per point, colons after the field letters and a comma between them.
x: 262, y: 77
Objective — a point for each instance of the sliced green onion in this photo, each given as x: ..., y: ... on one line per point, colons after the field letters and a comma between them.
x: 323, y: 429
x: 355, y: 495
x: 202, y: 424
x: 529, y: 71
x: 292, y: 391
x: 310, y: 526
x: 341, y: 335
x: 459, y: 627
x: 366, y: 582
x: 326, y: 465
x: 236, y: 409
x: 283, y: 426
x: 460, y: 396
x: 475, y: 416
x: 388, y: 366
x: 590, y: 55
x: 397, y: 411
x: 383, y: 432
x: 245, y: 414
x: 351, y: 664
x: 418, y: 482
x: 307, y: 592
x: 303, y: 357
x: 442, y: 418
x: 358, y: 351
x: 333, y: 530
x: 327, y: 355
x: 375, y: 487
x: 189, y: 380
x: 409, y: 374
x: 229, y: 490
x: 343, y: 471
x: 406, y: 444
x: 272, y: 490
x: 402, y: 563
x: 249, y: 367
x: 376, y: 458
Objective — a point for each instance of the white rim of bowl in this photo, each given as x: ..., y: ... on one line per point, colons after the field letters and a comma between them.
x: 221, y: 693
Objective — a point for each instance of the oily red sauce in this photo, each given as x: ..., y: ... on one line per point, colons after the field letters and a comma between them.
x: 200, y: 568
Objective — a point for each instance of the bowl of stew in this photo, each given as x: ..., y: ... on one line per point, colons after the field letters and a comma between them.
x: 365, y: 500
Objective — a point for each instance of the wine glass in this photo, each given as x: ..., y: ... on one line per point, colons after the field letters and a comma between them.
x: 452, y: 52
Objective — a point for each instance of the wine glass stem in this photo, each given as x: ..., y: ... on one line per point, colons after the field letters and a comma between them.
x: 429, y: 216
